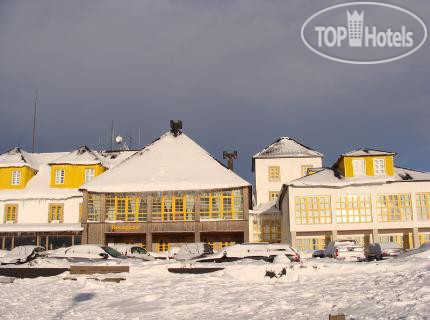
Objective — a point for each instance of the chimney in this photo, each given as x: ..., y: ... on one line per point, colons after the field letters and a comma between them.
x: 176, y: 127
x: 230, y: 155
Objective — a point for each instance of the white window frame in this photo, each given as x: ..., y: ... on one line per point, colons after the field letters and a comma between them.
x: 60, y: 175
x: 15, y: 178
x: 90, y: 173
x: 354, y: 167
x: 377, y: 168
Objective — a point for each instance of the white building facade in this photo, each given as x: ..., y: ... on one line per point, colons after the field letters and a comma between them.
x: 279, y: 163
x: 362, y: 197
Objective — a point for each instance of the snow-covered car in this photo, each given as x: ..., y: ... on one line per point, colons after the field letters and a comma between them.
x: 257, y: 251
x: 23, y: 254
x: 3, y: 253
x: 193, y: 251
x: 345, y: 250
x: 85, y: 252
x: 318, y: 254
x: 381, y: 250
x: 133, y: 251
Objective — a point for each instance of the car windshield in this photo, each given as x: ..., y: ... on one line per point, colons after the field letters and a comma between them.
x: 138, y: 250
x: 112, y: 252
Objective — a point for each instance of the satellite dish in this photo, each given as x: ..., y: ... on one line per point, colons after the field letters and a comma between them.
x: 118, y: 139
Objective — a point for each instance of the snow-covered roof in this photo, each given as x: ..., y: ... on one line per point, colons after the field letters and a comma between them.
x: 15, y: 157
x: 269, y: 207
x: 368, y: 152
x: 329, y: 177
x: 83, y: 155
x: 168, y: 164
x: 286, y: 147
x: 38, y: 187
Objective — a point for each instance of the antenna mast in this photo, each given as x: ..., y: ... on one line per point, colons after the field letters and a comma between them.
x: 111, y: 137
x: 34, y: 121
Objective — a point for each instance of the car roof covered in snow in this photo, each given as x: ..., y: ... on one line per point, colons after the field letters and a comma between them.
x: 286, y: 147
x: 170, y: 163
x: 330, y: 177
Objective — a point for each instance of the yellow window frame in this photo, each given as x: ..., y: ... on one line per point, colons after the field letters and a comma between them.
x: 350, y: 204
x: 11, y: 212
x: 307, y: 214
x: 56, y: 212
x: 386, y: 211
x: 274, y: 173
x: 423, y: 205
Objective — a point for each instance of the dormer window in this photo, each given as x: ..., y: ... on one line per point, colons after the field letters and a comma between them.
x: 59, y: 176
x: 359, y: 167
x: 89, y: 174
x: 379, y: 167
x: 16, y: 178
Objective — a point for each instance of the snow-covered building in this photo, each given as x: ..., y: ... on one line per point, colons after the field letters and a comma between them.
x: 171, y: 192
x: 363, y: 196
x: 39, y: 194
x: 281, y: 162
x: 265, y: 222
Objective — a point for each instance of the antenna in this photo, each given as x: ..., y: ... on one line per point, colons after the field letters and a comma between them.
x: 139, y: 138
x: 111, y: 137
x: 34, y: 121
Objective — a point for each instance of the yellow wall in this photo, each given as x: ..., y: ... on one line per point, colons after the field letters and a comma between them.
x: 74, y: 175
x: 6, y: 177
x: 345, y: 165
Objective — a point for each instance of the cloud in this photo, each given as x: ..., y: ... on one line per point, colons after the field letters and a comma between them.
x: 236, y: 72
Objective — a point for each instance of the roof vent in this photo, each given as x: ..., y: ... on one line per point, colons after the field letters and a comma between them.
x: 406, y: 176
x: 230, y: 156
x: 176, y: 127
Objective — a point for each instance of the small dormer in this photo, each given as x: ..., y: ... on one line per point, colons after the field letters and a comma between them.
x: 366, y: 162
x: 75, y: 168
x: 16, y: 169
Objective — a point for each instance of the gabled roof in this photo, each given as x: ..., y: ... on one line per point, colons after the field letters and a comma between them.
x: 16, y: 157
x: 330, y: 177
x: 367, y: 152
x: 82, y: 155
x: 286, y: 147
x: 168, y: 164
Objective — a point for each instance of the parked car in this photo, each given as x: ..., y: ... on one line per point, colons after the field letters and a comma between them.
x: 257, y: 251
x: 85, y: 252
x: 345, y: 250
x: 133, y: 251
x: 23, y: 254
x: 3, y: 253
x: 193, y: 251
x: 383, y: 249
x: 318, y: 254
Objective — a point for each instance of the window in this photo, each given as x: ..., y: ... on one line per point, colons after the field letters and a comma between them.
x: 394, y: 207
x: 173, y: 207
x: 55, y: 213
x: 423, y: 206
x: 163, y: 247
x: 89, y: 174
x: 59, y: 176
x: 267, y: 231
x: 10, y: 213
x: 396, y: 238
x: 225, y: 205
x: 379, y: 166
x: 127, y: 207
x: 16, y: 178
x: 94, y: 207
x: 313, y: 210
x: 273, y: 195
x: 353, y: 209
x: 274, y: 173
x: 310, y: 244
x: 305, y: 169
x: 359, y: 167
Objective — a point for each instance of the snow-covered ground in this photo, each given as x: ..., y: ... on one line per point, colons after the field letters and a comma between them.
x: 396, y: 289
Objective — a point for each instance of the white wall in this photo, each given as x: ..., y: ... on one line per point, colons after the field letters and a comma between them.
x: 291, y: 169
x: 288, y: 206
x: 36, y: 211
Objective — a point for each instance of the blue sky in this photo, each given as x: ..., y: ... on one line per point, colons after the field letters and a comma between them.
x: 236, y: 72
